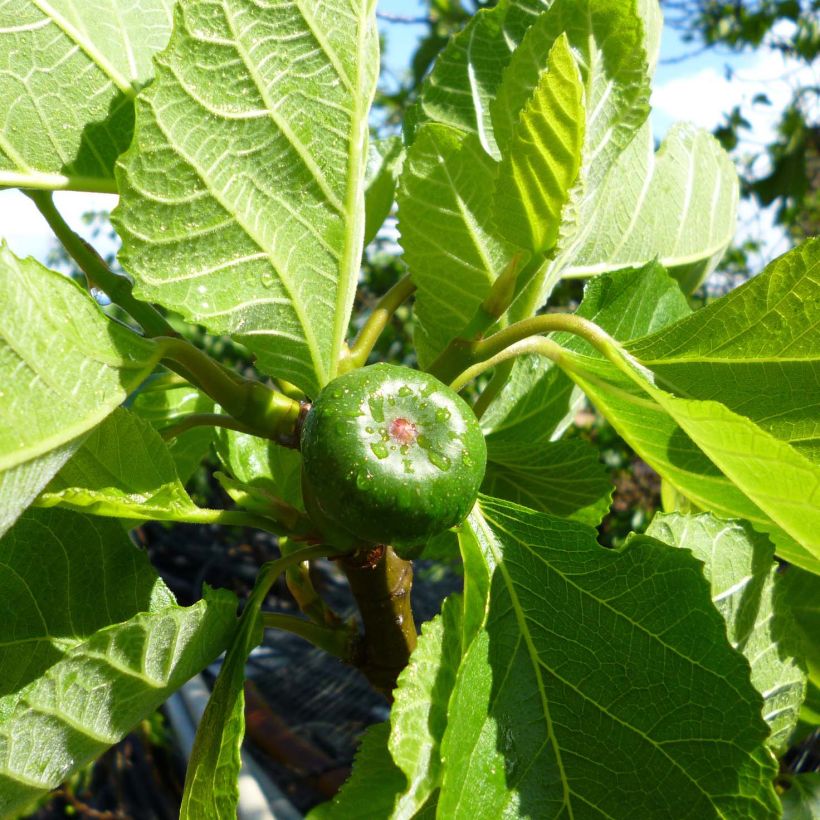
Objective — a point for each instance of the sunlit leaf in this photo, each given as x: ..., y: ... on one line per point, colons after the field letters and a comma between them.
x: 242, y: 196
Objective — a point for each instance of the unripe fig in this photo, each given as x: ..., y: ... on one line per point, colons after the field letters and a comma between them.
x: 392, y: 455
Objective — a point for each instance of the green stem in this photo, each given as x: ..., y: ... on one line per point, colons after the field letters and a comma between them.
x: 338, y: 642
x: 262, y: 411
x: 462, y: 354
x: 117, y: 288
x: 546, y: 323
x: 376, y: 323
x: 232, y: 518
x: 304, y: 593
x: 204, y: 420
x: 273, y: 569
x: 499, y: 299
x: 500, y: 377
x: 521, y: 338
x: 534, y: 344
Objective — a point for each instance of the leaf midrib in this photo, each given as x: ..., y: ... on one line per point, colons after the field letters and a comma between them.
x: 537, y: 662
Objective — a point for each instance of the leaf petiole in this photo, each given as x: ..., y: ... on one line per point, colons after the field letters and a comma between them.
x: 98, y: 274
x: 467, y: 360
x: 376, y: 323
x: 339, y: 642
x: 204, y: 420
x: 258, y: 409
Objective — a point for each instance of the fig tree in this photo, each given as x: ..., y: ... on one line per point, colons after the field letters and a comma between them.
x: 391, y: 455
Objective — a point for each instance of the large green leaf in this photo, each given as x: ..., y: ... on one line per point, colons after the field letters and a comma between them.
x: 542, y: 158
x: 418, y: 717
x: 447, y: 232
x: 372, y: 788
x: 653, y: 425
x: 165, y: 400
x: 70, y: 74
x: 122, y: 470
x: 242, y: 197
x: 536, y: 403
x: 704, y: 449
x: 91, y: 642
x: 564, y: 478
x: 602, y: 684
x: 677, y: 206
x: 749, y: 593
x: 63, y: 368
x: 262, y: 465
x: 756, y: 350
x: 398, y: 768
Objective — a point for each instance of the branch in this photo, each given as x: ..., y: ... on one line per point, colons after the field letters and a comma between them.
x: 98, y: 274
x: 381, y: 583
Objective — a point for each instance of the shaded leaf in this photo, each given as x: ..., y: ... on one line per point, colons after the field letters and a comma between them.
x: 211, y: 778
x: 384, y: 161
x: 802, y: 591
x: 749, y: 594
x: 372, y: 788
x: 600, y: 680
x: 91, y: 642
x: 122, y: 470
x: 164, y: 400
x: 262, y: 465
x: 802, y: 799
x: 564, y: 478
x: 447, y: 232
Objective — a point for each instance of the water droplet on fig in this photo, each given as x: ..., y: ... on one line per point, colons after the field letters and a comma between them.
x: 439, y: 460
x: 405, y: 391
x: 266, y: 279
x: 442, y: 414
x: 379, y: 450
x: 376, y: 404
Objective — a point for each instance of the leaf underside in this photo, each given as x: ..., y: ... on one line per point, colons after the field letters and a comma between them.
x: 242, y: 197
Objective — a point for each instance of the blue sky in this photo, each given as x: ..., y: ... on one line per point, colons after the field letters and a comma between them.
x: 696, y: 90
